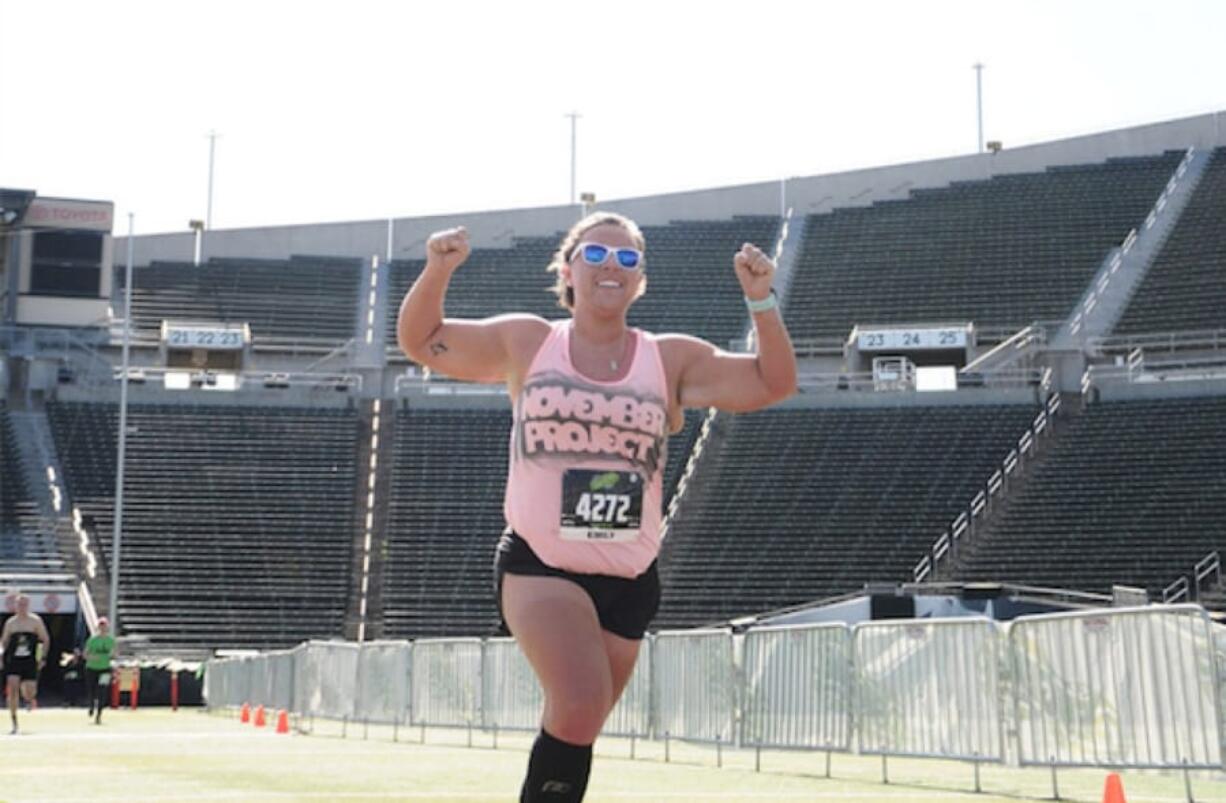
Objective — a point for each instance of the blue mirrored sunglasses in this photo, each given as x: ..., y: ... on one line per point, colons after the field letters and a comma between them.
x: 595, y: 254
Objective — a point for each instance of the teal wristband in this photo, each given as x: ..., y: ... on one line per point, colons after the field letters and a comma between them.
x: 766, y: 304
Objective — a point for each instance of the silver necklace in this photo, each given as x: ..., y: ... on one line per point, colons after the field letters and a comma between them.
x: 613, y: 362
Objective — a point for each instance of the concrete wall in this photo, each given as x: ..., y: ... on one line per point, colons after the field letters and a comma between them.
x: 807, y: 195
x: 1159, y: 389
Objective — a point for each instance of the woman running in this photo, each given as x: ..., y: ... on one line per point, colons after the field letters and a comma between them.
x: 594, y: 401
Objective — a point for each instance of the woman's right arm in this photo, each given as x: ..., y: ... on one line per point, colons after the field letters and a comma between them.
x: 473, y: 351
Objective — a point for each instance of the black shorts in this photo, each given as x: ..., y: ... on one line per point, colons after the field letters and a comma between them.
x: 24, y: 668
x: 624, y: 606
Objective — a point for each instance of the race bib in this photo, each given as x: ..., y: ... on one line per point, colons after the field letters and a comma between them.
x: 104, y: 679
x: 601, y: 506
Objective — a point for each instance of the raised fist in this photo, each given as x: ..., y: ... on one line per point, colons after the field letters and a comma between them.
x: 448, y: 248
x: 755, y: 271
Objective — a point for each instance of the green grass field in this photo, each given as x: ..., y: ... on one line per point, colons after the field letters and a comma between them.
x: 160, y: 755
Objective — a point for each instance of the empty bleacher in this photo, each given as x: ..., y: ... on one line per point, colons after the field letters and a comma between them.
x: 302, y: 298
x: 1129, y: 492
x: 445, y: 515
x: 23, y: 548
x: 691, y: 286
x: 1184, y: 289
x: 1001, y: 253
x: 238, y: 521
x: 793, y: 505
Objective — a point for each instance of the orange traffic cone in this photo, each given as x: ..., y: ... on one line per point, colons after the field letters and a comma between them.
x: 282, y: 721
x: 259, y: 716
x: 1113, y: 791
x: 244, y: 714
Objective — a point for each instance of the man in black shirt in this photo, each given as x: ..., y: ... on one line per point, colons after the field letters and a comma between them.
x: 19, y: 641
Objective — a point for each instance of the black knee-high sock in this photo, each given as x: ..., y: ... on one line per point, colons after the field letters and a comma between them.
x: 557, y: 771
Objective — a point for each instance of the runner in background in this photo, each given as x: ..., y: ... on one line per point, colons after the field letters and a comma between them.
x: 20, y: 641
x: 99, y: 654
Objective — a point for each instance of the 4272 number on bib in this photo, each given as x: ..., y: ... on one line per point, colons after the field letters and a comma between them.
x: 605, y: 506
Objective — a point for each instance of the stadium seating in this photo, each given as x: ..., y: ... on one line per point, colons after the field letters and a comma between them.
x: 1184, y: 288
x: 792, y: 505
x: 12, y: 485
x: 1129, y: 492
x: 1001, y: 253
x: 691, y: 286
x: 238, y: 521
x: 445, y: 514
x: 308, y: 298
x: 22, y: 548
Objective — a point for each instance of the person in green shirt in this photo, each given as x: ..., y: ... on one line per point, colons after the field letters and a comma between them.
x: 99, y: 652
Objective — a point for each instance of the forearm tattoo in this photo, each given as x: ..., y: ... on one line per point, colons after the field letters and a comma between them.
x: 437, y: 348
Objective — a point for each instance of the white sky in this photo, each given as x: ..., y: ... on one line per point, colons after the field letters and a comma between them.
x: 355, y: 109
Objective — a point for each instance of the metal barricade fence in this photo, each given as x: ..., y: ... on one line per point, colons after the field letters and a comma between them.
x: 512, y: 698
x: 325, y: 679
x: 511, y: 695
x: 258, y: 684
x: 446, y: 688
x: 632, y: 714
x: 226, y: 682
x: 1138, y: 688
x: 797, y: 687
x: 271, y: 681
x: 383, y: 682
x: 694, y: 679
x: 929, y: 688
x: 1131, y: 687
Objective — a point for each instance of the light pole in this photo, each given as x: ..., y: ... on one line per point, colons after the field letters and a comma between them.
x: 574, y: 117
x: 120, y: 458
x: 208, y: 216
x: 979, y: 100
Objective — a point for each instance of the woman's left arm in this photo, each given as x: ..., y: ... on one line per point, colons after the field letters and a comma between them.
x: 711, y: 377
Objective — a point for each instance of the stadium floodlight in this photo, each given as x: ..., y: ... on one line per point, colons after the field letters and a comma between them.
x: 197, y: 228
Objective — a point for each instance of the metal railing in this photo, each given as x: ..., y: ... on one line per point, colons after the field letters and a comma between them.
x: 930, y: 688
x: 1139, y: 367
x: 1019, y: 344
x: 238, y: 380
x: 826, y: 346
x: 695, y: 674
x: 1115, y: 687
x: 963, y: 526
x: 1118, y: 688
x: 797, y: 687
x: 1170, y: 342
x: 1187, y: 587
x: 865, y: 381
x: 1102, y: 280
x: 425, y: 381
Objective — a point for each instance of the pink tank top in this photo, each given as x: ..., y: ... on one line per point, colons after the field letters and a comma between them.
x: 587, y: 460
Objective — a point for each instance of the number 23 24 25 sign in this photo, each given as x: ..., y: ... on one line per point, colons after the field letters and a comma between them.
x: 901, y: 339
